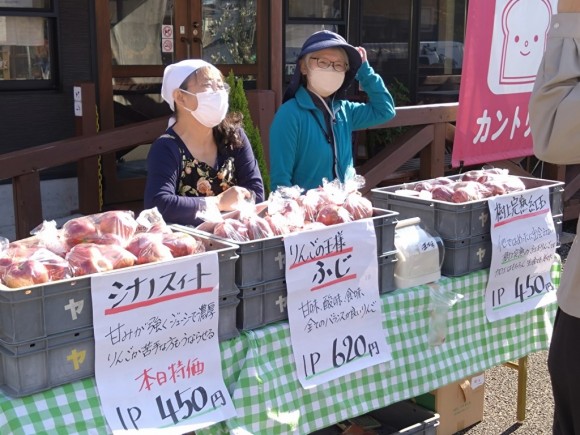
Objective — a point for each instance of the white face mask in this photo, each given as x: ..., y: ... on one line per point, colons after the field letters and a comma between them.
x: 325, y: 82
x: 212, y: 107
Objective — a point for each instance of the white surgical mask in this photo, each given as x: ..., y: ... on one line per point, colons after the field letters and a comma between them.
x: 325, y: 82
x: 212, y: 107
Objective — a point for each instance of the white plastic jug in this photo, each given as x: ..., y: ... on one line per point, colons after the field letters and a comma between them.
x: 419, y: 254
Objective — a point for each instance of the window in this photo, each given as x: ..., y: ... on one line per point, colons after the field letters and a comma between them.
x: 303, y: 18
x: 27, y: 44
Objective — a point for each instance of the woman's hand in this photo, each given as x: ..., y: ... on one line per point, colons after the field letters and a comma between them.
x: 232, y: 198
x: 363, y: 53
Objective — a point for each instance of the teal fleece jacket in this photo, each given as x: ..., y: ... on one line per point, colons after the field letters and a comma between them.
x: 300, y: 153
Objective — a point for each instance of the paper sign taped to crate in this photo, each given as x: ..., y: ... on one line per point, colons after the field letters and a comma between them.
x: 334, y: 306
x: 158, y: 363
x: 524, y: 244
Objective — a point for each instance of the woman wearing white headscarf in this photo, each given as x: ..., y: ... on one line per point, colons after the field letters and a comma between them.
x: 204, y: 156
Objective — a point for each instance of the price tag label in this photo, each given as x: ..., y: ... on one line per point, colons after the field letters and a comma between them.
x: 524, y: 246
x: 157, y: 357
x: 334, y: 306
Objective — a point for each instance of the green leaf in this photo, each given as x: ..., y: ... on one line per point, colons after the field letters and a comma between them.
x: 239, y: 103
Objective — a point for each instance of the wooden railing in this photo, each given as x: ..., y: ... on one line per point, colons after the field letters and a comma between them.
x: 427, y: 137
x: 431, y: 128
x: 24, y: 166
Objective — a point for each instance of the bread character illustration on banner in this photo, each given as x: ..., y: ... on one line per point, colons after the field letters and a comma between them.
x: 518, y: 42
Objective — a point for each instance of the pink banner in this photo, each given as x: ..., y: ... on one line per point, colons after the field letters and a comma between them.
x: 504, y: 44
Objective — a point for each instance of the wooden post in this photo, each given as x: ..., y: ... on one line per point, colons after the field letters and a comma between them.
x: 88, y: 168
x: 262, y: 106
x: 27, y: 203
x: 522, y: 368
x: 432, y: 164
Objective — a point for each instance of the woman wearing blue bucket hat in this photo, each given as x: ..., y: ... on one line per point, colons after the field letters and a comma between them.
x: 311, y: 134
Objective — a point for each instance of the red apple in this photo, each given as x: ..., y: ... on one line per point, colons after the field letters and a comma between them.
x: 332, y: 214
x: 117, y: 255
x: 148, y: 248
x: 358, y: 206
x: 79, y: 230
x: 258, y: 227
x: 56, y: 266
x: 278, y: 223
x: 181, y: 244
x: 232, y: 229
x: 26, y: 273
x: 117, y: 222
x: 86, y: 258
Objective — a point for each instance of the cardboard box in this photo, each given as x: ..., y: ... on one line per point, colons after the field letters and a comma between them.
x: 459, y: 404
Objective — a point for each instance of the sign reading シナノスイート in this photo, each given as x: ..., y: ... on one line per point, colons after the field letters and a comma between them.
x: 158, y: 362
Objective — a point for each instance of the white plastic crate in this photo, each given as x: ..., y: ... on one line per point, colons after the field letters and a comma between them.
x: 455, y: 221
x: 43, y: 310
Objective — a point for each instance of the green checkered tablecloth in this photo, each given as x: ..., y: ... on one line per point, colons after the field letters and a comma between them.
x: 259, y: 369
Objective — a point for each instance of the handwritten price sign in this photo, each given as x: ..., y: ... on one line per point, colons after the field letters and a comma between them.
x: 524, y: 244
x: 334, y: 306
x: 158, y: 364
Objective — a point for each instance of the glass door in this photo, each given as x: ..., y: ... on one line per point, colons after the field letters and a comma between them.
x: 146, y: 36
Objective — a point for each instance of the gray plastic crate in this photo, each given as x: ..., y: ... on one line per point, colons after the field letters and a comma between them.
x: 266, y: 303
x: 387, y: 263
x: 450, y: 220
x: 466, y: 256
x: 43, y: 310
x: 262, y: 304
x: 227, y: 257
x: 262, y: 260
x: 400, y: 418
x: 31, y: 367
x: 227, y: 326
x: 406, y: 418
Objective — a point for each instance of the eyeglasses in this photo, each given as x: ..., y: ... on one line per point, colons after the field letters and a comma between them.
x: 214, y: 86
x: 324, y: 63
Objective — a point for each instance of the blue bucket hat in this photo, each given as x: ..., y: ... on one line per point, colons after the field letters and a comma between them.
x: 319, y: 41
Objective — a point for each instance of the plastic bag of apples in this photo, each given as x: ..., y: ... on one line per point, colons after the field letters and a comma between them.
x: 290, y: 209
x: 91, y: 244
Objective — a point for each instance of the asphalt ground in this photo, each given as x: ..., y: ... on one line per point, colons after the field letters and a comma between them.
x: 500, y: 404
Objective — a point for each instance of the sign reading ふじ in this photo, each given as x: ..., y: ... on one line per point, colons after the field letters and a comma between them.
x: 334, y: 306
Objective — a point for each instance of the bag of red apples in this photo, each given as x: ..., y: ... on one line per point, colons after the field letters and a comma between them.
x: 471, y: 186
x: 91, y: 244
x: 291, y: 209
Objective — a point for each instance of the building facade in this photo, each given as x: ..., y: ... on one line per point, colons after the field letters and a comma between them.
x: 46, y: 46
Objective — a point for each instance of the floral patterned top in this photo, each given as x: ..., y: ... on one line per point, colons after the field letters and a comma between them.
x: 178, y: 184
x: 200, y: 179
